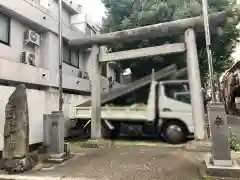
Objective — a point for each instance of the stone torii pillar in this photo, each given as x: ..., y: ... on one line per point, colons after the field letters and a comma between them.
x: 195, y: 84
x: 96, y: 55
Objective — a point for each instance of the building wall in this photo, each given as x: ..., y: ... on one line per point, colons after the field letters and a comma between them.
x: 236, y: 54
x: 26, y: 14
x: 12, y: 52
x: 47, y: 54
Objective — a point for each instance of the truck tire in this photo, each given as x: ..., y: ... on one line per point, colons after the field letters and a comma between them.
x: 116, y: 132
x: 111, y: 134
x: 174, y: 132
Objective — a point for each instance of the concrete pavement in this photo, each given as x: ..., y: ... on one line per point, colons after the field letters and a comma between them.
x: 124, y: 163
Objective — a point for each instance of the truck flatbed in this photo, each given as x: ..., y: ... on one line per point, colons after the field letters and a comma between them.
x: 106, y: 97
x: 115, y: 113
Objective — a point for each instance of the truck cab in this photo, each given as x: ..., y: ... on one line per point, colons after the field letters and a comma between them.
x: 175, y: 111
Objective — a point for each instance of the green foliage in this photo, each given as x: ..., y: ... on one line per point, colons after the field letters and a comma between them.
x: 125, y: 14
x: 234, y: 143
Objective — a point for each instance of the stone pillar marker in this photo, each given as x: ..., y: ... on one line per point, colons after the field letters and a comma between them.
x: 54, y: 136
x: 16, y: 133
x: 219, y: 134
x: 219, y: 163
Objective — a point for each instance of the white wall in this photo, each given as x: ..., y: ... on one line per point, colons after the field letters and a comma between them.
x: 42, y: 18
x: 13, y: 71
x: 13, y: 51
x: 65, y: 14
x: 39, y: 103
x: 46, y: 60
x: 49, y: 55
x: 236, y: 54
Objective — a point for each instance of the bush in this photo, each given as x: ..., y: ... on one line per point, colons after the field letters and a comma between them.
x: 234, y: 143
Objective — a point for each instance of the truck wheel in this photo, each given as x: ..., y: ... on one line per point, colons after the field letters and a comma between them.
x: 115, y: 132
x: 111, y: 134
x: 175, y: 132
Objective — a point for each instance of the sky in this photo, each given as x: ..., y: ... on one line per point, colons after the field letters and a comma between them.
x: 94, y: 9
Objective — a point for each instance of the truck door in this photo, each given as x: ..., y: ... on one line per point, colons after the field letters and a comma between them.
x: 175, y: 102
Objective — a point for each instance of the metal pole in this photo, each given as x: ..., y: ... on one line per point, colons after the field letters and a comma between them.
x: 153, y: 74
x: 208, y: 47
x: 60, y: 54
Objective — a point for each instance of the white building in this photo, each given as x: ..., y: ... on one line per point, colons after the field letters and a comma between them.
x: 29, y: 54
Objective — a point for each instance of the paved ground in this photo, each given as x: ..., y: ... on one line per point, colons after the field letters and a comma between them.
x: 128, y: 163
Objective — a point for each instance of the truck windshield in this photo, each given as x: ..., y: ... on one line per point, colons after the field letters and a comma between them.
x: 178, y: 91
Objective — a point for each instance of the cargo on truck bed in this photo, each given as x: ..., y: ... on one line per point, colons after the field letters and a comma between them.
x: 115, y: 93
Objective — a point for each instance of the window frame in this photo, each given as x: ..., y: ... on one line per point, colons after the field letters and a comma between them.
x: 172, y: 96
x: 9, y: 29
x: 70, y: 57
x: 103, y: 69
x: 78, y: 54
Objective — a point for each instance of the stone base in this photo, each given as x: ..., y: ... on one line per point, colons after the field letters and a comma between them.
x: 97, y: 143
x: 200, y: 146
x: 60, y: 158
x: 219, y: 171
x: 56, y: 158
x: 19, y: 165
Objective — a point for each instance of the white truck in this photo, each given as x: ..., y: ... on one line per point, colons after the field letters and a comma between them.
x: 167, y: 112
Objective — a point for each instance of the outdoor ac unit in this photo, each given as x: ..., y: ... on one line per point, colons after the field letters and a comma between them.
x: 80, y: 74
x: 28, y: 58
x: 83, y: 75
x: 111, y: 82
x: 31, y: 38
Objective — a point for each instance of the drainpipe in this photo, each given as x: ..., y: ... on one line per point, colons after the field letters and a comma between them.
x: 60, y: 54
x: 208, y: 47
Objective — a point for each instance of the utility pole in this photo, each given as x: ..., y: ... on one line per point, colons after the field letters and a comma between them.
x: 217, y: 119
x: 208, y: 48
x: 60, y: 54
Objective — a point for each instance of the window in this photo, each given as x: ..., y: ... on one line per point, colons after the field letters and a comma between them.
x: 104, y: 69
x: 74, y: 56
x: 118, y: 75
x: 4, y: 29
x: 178, y: 91
x: 183, y: 97
x: 70, y: 57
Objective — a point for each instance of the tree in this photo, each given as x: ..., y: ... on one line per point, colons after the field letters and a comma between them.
x: 125, y: 14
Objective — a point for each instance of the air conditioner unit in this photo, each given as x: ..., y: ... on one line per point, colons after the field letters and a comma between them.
x: 31, y: 38
x: 28, y: 58
x: 85, y: 75
x: 111, y: 82
x: 80, y: 74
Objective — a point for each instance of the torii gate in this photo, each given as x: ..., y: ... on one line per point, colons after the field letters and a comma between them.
x: 187, y: 26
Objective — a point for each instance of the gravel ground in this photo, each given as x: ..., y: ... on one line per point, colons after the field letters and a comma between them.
x: 130, y: 163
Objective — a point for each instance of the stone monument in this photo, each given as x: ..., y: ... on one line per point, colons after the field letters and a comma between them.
x: 219, y: 163
x: 16, y: 155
